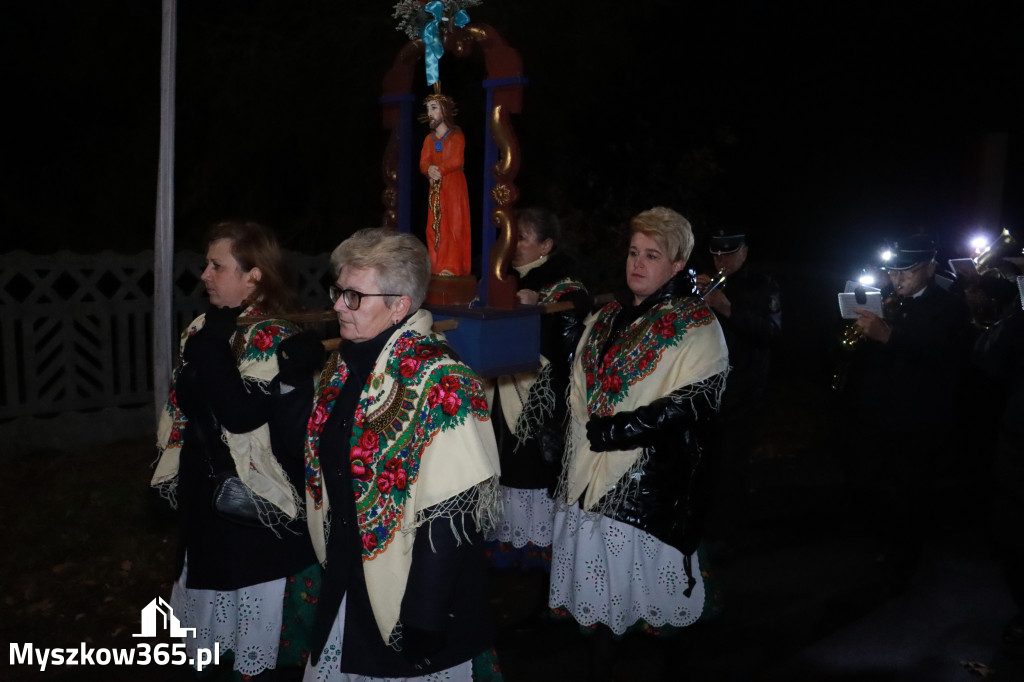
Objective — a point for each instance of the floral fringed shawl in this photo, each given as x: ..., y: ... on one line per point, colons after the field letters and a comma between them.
x: 523, y: 414
x: 676, y: 344
x: 256, y: 352
x: 421, y: 435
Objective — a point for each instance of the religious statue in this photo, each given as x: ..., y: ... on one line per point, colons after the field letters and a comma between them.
x: 441, y: 160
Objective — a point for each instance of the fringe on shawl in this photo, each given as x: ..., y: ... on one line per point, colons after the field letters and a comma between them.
x: 168, y: 490
x: 538, y: 406
x: 481, y: 503
x: 710, y: 393
x: 269, y: 514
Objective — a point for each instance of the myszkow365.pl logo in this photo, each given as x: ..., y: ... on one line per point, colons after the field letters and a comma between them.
x: 155, y: 614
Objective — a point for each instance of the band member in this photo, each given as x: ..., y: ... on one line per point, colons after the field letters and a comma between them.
x: 902, y: 384
x: 747, y: 305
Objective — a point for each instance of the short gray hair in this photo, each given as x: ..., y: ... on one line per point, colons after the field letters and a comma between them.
x: 669, y: 229
x: 399, y: 260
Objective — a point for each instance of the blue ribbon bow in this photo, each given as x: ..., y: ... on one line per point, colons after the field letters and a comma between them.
x: 432, y: 44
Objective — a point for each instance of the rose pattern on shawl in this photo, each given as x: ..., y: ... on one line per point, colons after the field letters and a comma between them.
x: 270, y: 336
x: 262, y: 340
x: 556, y: 291
x: 408, y: 367
x: 361, y: 456
x: 321, y: 411
x: 393, y: 476
x: 437, y: 395
x: 665, y: 326
x: 636, y: 353
x: 611, y: 383
x: 700, y: 314
x: 265, y: 339
x: 446, y: 394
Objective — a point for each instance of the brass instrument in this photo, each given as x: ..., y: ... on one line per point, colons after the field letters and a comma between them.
x: 717, y: 281
x: 850, y: 339
x: 986, y: 308
x: 1004, y: 245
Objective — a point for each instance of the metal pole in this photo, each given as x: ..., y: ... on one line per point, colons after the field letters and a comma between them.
x: 163, y: 251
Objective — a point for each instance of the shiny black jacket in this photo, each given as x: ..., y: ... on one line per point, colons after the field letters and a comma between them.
x: 668, y: 497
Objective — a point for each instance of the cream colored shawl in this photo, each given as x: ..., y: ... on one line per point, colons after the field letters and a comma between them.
x: 421, y: 436
x: 525, y: 419
x: 254, y: 462
x: 677, y: 343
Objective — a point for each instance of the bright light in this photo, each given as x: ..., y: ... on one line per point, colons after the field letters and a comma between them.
x: 867, y: 279
x: 887, y: 255
x: 979, y: 243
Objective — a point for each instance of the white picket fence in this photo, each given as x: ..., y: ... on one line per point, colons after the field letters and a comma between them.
x: 76, y: 329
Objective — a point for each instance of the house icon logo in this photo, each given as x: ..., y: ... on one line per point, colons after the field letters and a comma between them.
x: 156, y: 610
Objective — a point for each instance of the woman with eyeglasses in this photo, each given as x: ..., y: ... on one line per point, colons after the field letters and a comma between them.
x: 248, y: 587
x: 401, y: 481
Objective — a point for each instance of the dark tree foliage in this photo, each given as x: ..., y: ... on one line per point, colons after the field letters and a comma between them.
x: 824, y: 126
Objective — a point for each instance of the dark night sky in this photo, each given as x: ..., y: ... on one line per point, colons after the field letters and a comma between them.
x: 822, y: 126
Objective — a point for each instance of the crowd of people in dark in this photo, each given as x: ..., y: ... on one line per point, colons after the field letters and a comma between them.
x: 342, y: 504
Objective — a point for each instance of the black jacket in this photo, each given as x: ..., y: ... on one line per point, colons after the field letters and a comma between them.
x: 669, y: 496
x: 924, y: 357
x: 444, y: 608
x: 224, y: 555
x: 536, y: 462
x: 752, y: 330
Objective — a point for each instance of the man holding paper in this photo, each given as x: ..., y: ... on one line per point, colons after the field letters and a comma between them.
x: 903, y: 385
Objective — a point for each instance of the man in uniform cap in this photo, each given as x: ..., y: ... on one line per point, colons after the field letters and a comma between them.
x: 904, y: 378
x: 748, y: 306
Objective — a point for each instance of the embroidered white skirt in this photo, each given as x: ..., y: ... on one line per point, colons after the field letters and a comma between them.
x: 246, y: 621
x: 328, y: 667
x: 526, y: 517
x: 603, y: 571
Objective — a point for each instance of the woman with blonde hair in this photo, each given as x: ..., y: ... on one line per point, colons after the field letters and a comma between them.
x: 647, y: 374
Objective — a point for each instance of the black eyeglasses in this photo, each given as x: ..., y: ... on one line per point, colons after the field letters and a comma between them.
x: 351, y: 297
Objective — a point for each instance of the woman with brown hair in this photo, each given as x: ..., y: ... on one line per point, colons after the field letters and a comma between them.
x: 245, y: 583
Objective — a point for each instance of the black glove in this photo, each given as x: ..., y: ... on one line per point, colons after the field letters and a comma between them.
x: 217, y: 329
x: 188, y: 393
x: 597, y: 433
x: 551, y: 442
x: 221, y: 323
x: 418, y: 645
x: 299, y: 357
